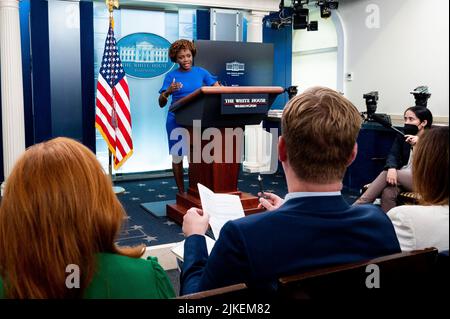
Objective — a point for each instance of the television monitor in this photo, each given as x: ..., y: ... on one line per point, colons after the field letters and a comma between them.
x: 237, y: 63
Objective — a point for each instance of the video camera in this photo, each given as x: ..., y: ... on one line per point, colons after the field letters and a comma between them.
x: 421, y: 95
x: 291, y: 91
x: 371, y: 102
x: 371, y: 106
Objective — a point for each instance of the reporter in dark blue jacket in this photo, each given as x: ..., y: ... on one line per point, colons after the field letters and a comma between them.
x: 314, y: 227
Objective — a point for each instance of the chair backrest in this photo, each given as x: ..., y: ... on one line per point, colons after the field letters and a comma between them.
x: 407, y: 198
x: 232, y: 292
x: 442, y: 270
x: 385, y: 277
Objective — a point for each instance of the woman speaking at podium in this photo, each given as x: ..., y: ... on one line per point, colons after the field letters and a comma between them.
x: 179, y: 83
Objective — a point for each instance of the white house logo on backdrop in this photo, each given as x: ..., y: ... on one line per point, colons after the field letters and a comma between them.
x: 235, y: 69
x: 235, y: 66
x: 144, y: 55
x: 144, y: 52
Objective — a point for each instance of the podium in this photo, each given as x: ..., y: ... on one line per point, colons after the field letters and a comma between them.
x: 219, y: 114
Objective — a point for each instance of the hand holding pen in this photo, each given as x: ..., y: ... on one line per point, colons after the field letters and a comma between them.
x: 269, y: 201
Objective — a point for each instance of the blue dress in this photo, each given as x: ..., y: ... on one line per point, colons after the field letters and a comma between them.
x: 192, y: 80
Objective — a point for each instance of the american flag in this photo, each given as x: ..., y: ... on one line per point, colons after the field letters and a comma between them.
x: 112, y: 114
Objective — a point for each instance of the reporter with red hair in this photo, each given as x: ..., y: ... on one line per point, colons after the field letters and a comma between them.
x: 59, y: 213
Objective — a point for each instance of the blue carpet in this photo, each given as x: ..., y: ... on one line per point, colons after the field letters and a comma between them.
x: 143, y: 227
x: 158, y: 209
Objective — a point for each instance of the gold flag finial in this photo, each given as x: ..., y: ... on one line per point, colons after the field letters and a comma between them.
x: 111, y: 4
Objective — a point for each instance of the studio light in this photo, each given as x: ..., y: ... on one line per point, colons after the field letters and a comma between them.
x: 301, y: 17
x: 329, y: 4
x: 325, y: 12
x: 296, y: 15
x: 326, y: 6
x: 313, y: 26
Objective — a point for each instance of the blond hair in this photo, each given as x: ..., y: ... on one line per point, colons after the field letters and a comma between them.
x: 58, y: 209
x: 320, y: 128
x: 430, y: 167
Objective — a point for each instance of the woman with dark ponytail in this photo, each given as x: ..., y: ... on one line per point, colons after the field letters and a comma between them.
x: 397, y: 171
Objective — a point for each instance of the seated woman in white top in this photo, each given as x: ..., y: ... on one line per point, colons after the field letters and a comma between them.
x: 426, y: 225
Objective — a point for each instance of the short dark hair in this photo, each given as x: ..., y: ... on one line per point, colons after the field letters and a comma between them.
x: 179, y: 45
x: 422, y: 114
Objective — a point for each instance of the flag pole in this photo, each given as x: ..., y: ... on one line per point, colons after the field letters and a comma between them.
x: 117, y: 189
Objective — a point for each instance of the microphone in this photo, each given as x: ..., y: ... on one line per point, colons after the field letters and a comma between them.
x: 385, y: 123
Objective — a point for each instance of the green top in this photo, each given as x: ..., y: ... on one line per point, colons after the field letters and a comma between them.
x: 121, y: 277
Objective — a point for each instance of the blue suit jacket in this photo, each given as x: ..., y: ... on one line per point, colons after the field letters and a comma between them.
x: 303, y: 234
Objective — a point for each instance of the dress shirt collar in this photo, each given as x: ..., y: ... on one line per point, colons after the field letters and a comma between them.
x: 310, y: 194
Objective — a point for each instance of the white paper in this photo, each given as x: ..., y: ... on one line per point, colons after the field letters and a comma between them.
x: 220, y: 207
x: 178, y: 250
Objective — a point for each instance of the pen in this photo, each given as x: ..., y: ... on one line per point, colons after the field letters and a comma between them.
x: 261, y: 189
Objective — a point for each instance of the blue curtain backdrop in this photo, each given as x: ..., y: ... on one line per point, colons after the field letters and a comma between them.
x: 58, y: 78
x: 282, y: 67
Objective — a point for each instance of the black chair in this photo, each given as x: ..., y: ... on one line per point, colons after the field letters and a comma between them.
x: 415, y: 274
x: 442, y: 270
x: 398, y: 275
x: 408, y: 198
